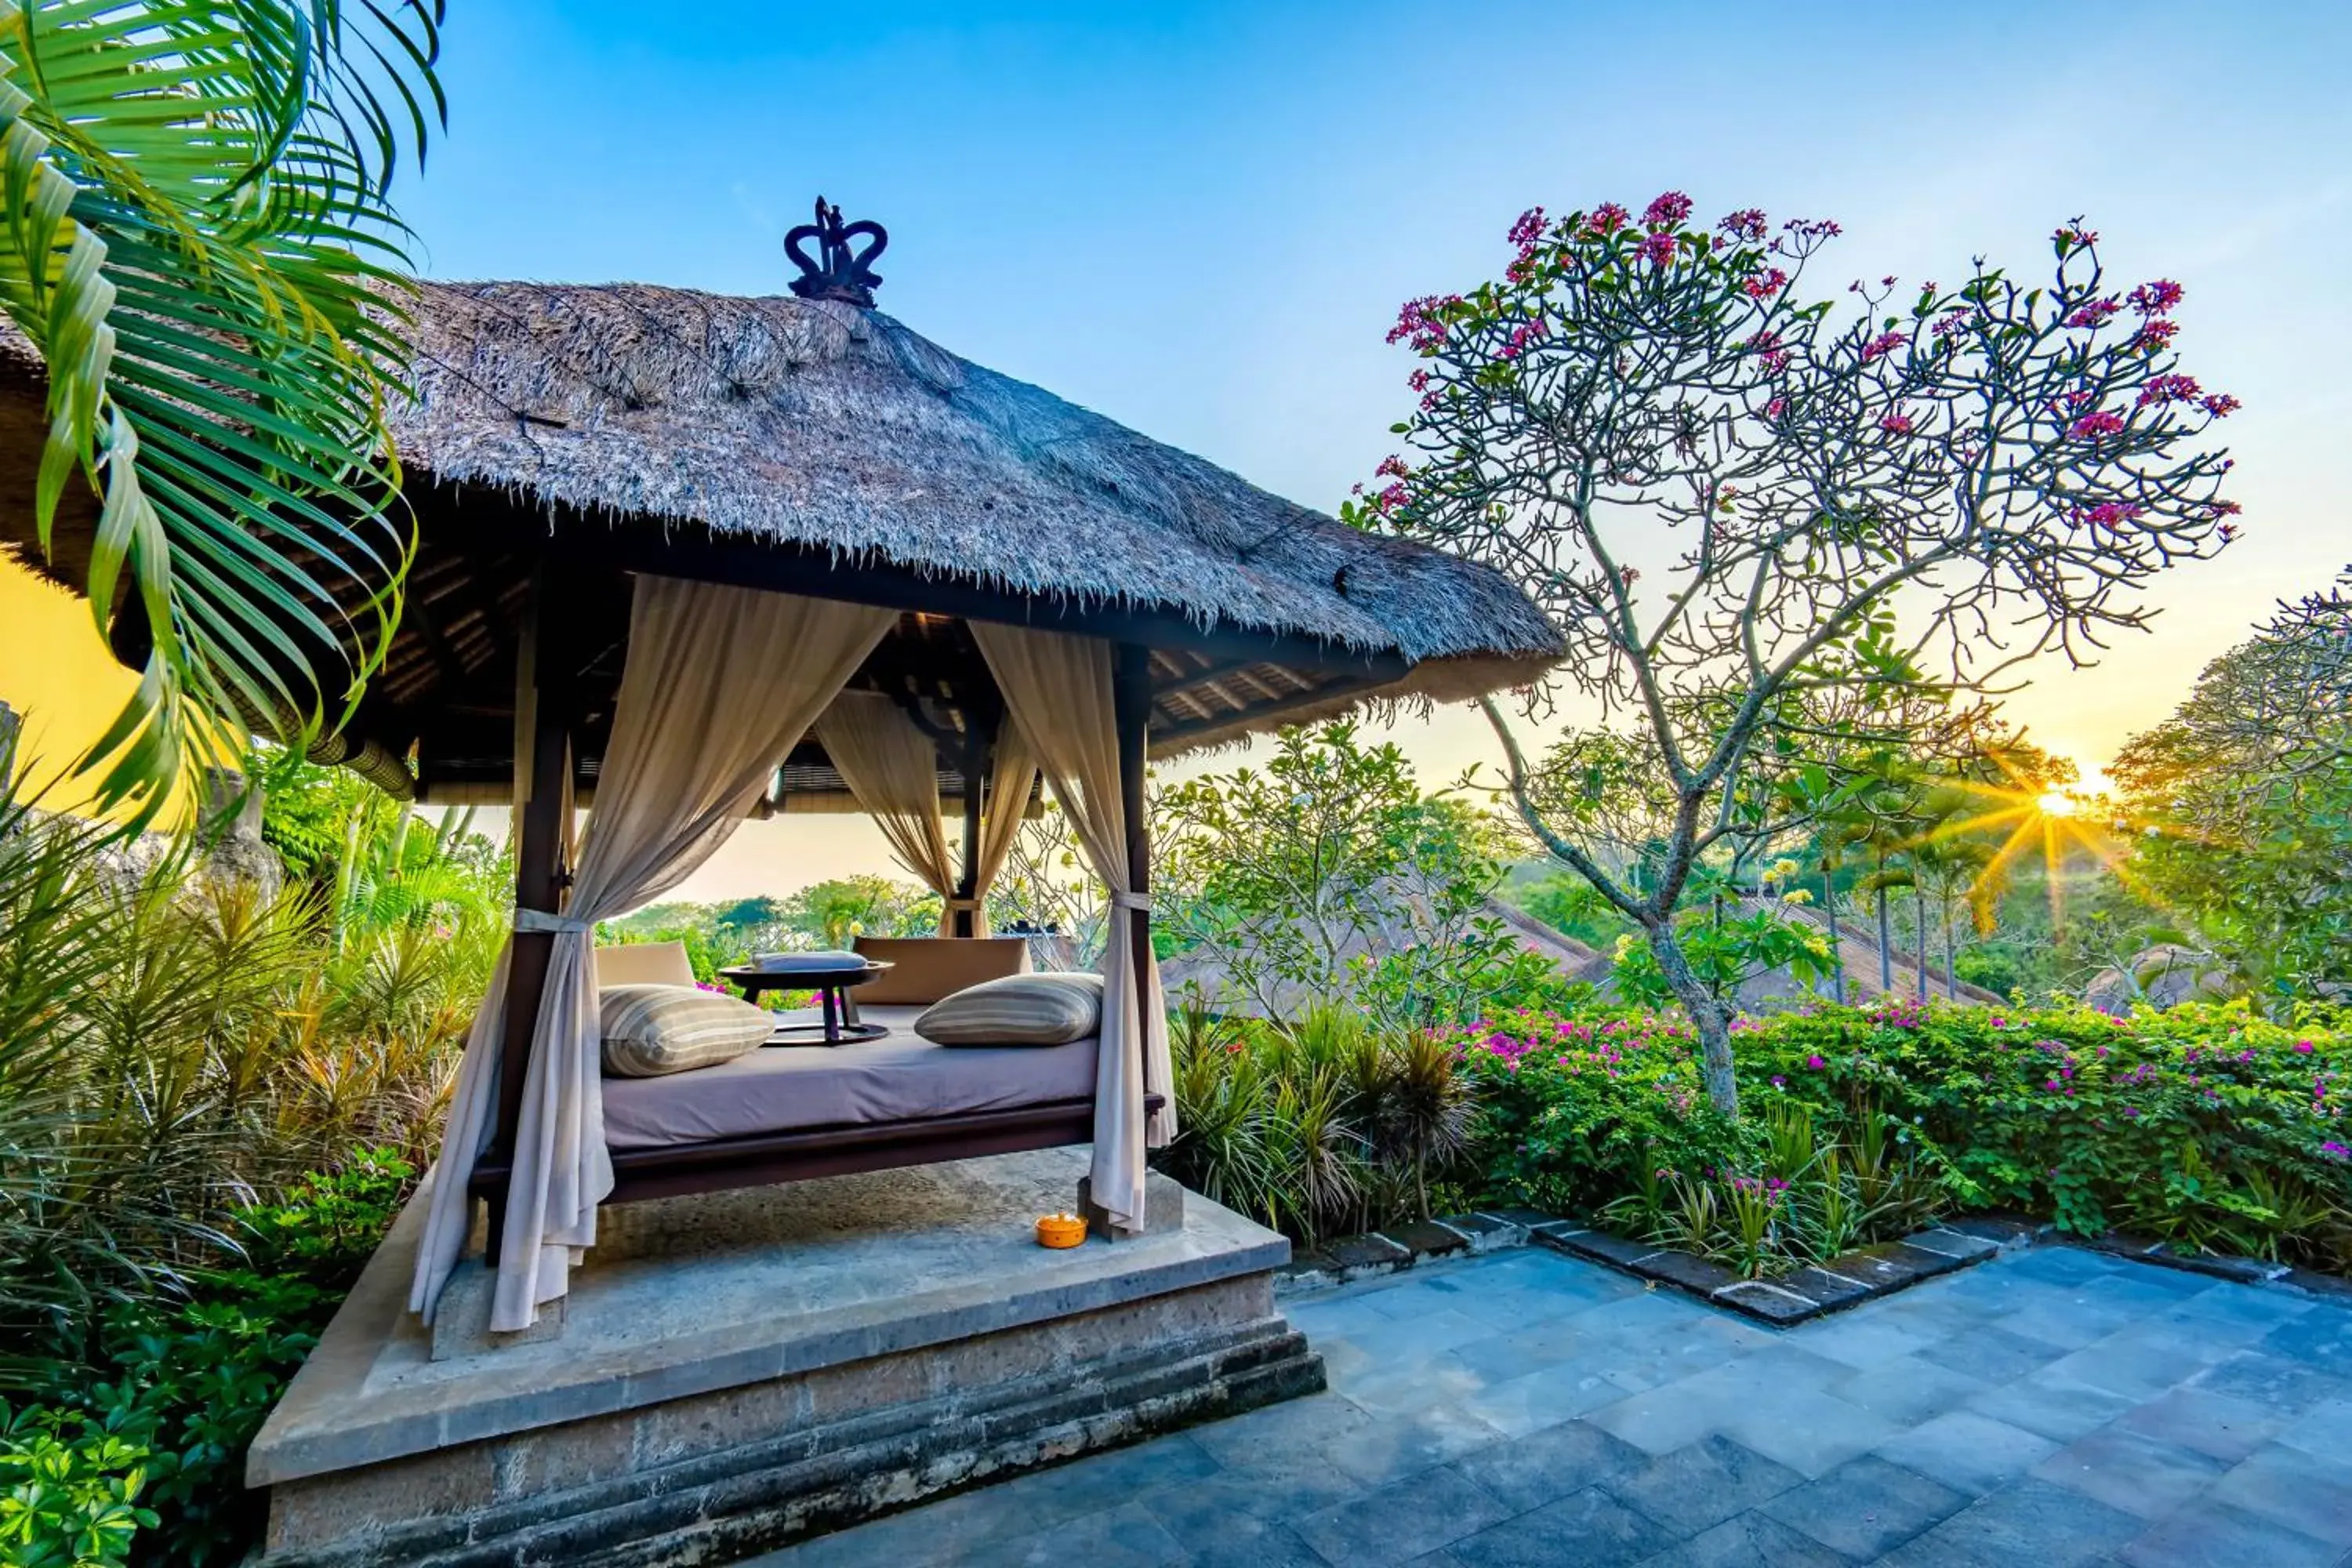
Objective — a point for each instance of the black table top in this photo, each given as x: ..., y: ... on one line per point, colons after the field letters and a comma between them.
x: 807, y: 979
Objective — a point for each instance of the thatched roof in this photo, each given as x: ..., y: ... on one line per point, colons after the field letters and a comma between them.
x: 819, y: 423
x: 689, y: 426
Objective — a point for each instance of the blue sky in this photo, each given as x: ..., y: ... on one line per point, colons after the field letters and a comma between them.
x: 1199, y: 219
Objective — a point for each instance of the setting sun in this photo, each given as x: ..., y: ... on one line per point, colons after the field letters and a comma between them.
x: 2055, y: 803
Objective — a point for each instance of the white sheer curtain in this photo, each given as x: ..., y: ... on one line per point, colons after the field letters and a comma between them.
x: 1058, y: 692
x: 720, y: 684
x: 893, y: 769
x: 1009, y: 783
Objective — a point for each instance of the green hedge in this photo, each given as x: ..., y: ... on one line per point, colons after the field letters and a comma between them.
x: 2206, y: 1126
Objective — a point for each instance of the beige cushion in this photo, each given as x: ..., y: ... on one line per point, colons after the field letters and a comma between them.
x: 644, y: 963
x: 929, y: 968
x: 652, y: 1030
x: 1019, y: 1010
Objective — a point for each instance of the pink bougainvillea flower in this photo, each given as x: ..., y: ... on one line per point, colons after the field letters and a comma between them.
x: 1748, y: 223
x: 2093, y: 314
x: 2100, y: 423
x: 1766, y: 284
x: 1896, y: 424
x: 1658, y: 249
x: 1815, y: 1062
x: 2304, y: 1047
x: 2220, y: 405
x: 1883, y: 344
x: 2157, y: 298
x: 1529, y: 228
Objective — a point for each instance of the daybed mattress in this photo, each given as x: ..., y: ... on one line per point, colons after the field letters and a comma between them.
x: 784, y: 1089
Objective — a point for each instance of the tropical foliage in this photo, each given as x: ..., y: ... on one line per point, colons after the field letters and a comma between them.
x: 174, y: 1044
x: 2243, y: 803
x: 1328, y: 873
x: 196, y: 237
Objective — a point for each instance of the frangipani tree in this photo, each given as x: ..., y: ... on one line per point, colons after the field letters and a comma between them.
x: 195, y: 234
x: 1927, y: 490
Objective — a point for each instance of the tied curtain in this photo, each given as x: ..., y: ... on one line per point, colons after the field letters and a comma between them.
x: 892, y: 767
x: 1058, y: 692
x: 720, y: 683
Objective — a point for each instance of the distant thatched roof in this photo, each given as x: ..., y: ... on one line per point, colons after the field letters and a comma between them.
x: 835, y: 434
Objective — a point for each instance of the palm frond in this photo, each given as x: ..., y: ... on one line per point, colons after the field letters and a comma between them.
x: 194, y: 231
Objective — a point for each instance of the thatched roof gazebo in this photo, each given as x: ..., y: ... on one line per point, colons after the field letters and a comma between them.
x: 598, y: 475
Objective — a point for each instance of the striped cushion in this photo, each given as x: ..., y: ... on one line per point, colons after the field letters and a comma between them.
x: 1018, y: 1010
x: 650, y: 1030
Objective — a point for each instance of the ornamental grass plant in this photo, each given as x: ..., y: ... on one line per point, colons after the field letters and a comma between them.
x: 1324, y: 1126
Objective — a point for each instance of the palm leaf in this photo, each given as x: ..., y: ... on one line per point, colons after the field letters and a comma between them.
x: 195, y: 232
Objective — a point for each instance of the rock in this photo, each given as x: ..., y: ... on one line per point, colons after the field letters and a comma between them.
x: 2162, y: 976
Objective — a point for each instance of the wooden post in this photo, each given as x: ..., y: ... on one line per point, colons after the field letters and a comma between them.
x: 1131, y: 703
x: 544, y: 679
x: 978, y: 737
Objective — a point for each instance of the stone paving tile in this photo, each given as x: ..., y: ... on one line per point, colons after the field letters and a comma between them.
x: 1994, y: 1354
x: 1967, y: 1451
x: 1752, y: 1539
x: 1122, y: 1537
x: 2324, y: 1430
x: 1589, y: 1528
x: 1865, y: 1507
x: 2220, y: 1536
x: 2049, y: 1408
x: 2056, y: 1408
x: 1703, y: 1484
x: 1907, y: 1390
x: 2219, y: 1425
x: 1532, y: 1471
x: 2271, y: 1379
x: 2131, y: 1471
x: 1523, y: 1405
x: 1400, y: 1520
x: 2311, y: 1494
x: 1398, y: 1446
x: 1865, y: 1340
x: 2029, y: 1524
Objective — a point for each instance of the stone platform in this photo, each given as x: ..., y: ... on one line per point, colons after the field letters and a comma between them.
x: 735, y: 1372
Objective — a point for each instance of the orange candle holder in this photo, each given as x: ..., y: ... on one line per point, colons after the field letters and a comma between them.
x: 1060, y: 1230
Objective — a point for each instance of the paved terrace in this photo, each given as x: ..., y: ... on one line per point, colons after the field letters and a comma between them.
x: 2049, y: 1408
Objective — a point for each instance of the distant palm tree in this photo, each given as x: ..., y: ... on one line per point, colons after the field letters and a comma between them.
x: 195, y: 234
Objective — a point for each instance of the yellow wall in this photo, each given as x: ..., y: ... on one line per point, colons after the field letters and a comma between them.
x: 57, y: 673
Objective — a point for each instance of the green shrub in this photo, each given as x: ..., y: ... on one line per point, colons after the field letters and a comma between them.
x: 179, y: 1386
x: 69, y: 1491
x: 2206, y: 1126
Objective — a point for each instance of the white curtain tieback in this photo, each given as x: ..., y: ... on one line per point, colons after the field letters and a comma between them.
x: 541, y: 920
x: 1141, y: 902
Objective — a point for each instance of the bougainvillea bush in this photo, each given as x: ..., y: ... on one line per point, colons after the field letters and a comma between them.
x: 2205, y: 1126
